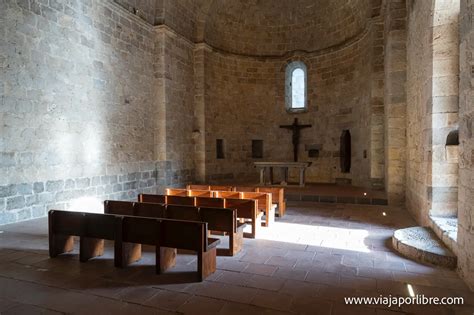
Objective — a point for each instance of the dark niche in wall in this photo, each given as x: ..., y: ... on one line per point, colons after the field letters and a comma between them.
x: 257, y: 149
x: 219, y: 148
x: 314, y: 150
x: 453, y: 138
x: 345, y: 149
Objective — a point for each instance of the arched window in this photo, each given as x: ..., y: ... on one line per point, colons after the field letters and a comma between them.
x: 295, y: 87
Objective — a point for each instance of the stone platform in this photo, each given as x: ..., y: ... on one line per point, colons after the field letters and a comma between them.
x: 333, y: 193
x: 422, y: 244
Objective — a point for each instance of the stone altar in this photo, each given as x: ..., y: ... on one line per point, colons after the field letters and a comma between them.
x: 263, y: 166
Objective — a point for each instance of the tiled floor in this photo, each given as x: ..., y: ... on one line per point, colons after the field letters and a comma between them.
x: 306, y: 264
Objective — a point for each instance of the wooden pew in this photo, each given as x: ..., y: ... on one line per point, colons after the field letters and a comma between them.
x: 264, y: 203
x: 165, y: 234
x: 246, y: 209
x: 92, y: 229
x: 218, y: 218
x: 278, y: 197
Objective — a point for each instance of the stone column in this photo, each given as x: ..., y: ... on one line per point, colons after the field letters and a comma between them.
x: 200, y: 99
x: 395, y: 101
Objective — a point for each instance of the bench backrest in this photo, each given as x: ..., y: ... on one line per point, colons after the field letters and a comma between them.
x: 180, y: 200
x: 245, y: 188
x: 264, y: 200
x: 226, y: 194
x: 189, y: 235
x: 118, y: 207
x: 141, y: 230
x: 198, y: 187
x: 209, y: 202
x: 200, y: 193
x: 176, y: 192
x: 180, y: 212
x: 219, y: 219
x: 278, y: 194
x: 95, y: 225
x: 245, y: 208
x: 151, y: 210
x: 220, y: 188
x: 152, y: 198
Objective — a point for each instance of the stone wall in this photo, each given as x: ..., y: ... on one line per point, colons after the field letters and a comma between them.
x: 245, y: 100
x: 432, y: 88
x: 76, y: 96
x: 466, y: 156
x: 177, y: 76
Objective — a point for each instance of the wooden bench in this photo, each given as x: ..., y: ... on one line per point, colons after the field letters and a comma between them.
x: 264, y: 200
x: 129, y: 233
x: 246, y: 209
x: 264, y: 203
x: 176, y: 192
x: 278, y: 194
x: 218, y: 218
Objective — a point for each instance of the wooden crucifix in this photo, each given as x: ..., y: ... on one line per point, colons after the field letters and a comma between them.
x: 295, y: 128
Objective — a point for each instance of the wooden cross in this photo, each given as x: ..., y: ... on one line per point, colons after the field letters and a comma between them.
x: 295, y: 128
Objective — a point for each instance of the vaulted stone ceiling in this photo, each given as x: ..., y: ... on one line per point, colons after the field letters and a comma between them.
x: 275, y: 27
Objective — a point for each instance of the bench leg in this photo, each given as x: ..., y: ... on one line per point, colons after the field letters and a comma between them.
x: 236, y: 241
x: 90, y: 248
x: 256, y: 225
x: 206, y: 263
x: 165, y: 258
x: 126, y: 253
x: 59, y: 244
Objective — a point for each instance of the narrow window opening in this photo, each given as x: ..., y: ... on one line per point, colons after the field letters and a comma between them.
x: 219, y: 148
x: 257, y: 149
x: 296, y: 87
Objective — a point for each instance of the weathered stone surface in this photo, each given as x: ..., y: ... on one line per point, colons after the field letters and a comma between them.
x: 422, y: 244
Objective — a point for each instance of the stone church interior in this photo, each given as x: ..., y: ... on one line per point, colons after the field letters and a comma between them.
x: 237, y: 157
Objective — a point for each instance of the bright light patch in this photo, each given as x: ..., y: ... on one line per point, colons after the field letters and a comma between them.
x: 315, y: 235
x: 87, y: 204
x: 384, y: 214
x: 365, y: 194
x: 410, y: 290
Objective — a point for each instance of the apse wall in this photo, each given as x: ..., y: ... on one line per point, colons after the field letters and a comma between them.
x: 77, y: 106
x: 245, y: 101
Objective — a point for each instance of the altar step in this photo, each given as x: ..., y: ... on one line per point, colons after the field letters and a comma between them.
x: 333, y: 198
x: 421, y: 244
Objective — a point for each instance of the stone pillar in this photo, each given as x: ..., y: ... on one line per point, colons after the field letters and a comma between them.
x: 377, y: 157
x: 199, y: 130
x: 395, y: 101
x: 466, y: 149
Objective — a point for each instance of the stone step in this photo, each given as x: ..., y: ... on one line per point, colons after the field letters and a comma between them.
x: 422, y: 244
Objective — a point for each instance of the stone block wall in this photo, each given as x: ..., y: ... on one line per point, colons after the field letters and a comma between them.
x: 75, y: 103
x: 432, y: 88
x: 466, y: 150
x: 245, y: 101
